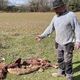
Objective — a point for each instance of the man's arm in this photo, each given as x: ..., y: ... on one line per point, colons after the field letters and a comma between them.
x: 76, y: 26
x: 47, y: 31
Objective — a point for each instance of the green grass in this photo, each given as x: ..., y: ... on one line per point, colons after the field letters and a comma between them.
x: 17, y: 39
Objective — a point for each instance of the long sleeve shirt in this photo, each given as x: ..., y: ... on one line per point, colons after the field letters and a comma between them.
x: 67, y: 28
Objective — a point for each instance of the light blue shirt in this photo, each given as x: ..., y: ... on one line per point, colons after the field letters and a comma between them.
x: 67, y: 28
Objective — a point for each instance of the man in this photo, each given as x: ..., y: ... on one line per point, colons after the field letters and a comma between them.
x: 67, y: 29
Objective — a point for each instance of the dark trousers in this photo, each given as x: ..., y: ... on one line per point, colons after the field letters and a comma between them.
x: 64, y: 57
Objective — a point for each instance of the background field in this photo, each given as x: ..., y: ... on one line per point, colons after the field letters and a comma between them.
x: 17, y: 39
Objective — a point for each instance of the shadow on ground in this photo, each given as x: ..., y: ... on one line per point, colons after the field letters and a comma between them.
x: 77, y: 69
x: 77, y: 77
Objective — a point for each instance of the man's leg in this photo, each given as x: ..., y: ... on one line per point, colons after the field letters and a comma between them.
x: 68, y: 55
x: 60, y: 60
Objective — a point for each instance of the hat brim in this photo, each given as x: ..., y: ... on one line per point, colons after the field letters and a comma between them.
x: 58, y: 6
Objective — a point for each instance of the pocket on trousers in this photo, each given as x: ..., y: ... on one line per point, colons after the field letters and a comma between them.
x: 56, y: 45
x: 69, y: 47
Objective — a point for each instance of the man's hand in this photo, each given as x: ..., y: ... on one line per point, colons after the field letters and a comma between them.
x: 77, y: 45
x: 38, y: 38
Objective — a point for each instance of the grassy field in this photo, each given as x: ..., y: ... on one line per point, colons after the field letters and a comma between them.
x: 17, y: 39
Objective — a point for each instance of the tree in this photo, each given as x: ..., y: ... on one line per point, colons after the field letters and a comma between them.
x: 39, y: 5
x: 74, y: 5
x: 3, y: 4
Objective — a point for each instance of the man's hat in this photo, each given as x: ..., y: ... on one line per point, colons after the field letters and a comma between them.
x: 57, y: 3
